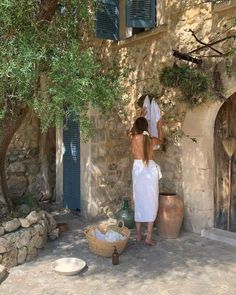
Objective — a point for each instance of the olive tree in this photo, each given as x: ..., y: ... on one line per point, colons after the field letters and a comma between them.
x: 46, y: 66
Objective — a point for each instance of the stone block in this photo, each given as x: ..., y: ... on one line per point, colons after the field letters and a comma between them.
x: 12, y: 238
x: 33, y: 217
x: 40, y: 229
x: 2, y: 231
x: 36, y: 241
x: 21, y: 255
x: 3, y: 273
x: 16, y: 167
x: 24, y: 238
x: 195, y: 220
x: 9, y: 259
x: 51, y: 222
x: 17, y: 185
x: 24, y: 222
x: 32, y: 253
x: 12, y: 225
x: 5, y: 246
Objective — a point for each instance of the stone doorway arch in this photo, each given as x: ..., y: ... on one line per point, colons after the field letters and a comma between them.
x: 225, y: 125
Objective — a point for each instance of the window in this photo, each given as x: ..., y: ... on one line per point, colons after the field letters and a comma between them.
x: 140, y: 15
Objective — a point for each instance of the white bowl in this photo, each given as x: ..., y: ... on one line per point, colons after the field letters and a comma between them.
x: 68, y: 266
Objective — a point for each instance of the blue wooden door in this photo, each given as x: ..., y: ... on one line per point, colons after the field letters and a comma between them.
x: 71, y: 166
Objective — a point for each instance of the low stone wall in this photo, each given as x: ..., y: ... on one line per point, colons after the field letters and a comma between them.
x: 21, y: 238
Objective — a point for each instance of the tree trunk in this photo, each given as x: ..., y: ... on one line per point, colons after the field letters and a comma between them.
x: 45, y: 166
x: 16, y: 114
x: 44, y: 147
x: 9, y: 125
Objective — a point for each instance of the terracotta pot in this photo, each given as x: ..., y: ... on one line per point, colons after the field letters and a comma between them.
x: 170, y: 216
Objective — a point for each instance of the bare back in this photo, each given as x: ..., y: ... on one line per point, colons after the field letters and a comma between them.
x: 137, y: 147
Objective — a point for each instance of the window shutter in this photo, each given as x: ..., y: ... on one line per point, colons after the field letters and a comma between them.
x: 141, y: 13
x: 71, y: 165
x: 107, y: 19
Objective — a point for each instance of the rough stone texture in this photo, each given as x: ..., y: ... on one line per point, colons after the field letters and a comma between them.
x: 51, y: 222
x: 189, y: 265
x: 24, y: 222
x: 22, y: 160
x: 5, y: 245
x: 187, y: 167
x: 2, y: 231
x: 12, y: 225
x: 9, y: 259
x: 54, y: 234
x: 21, y: 256
x: 21, y: 245
x: 17, y: 186
x: 32, y: 253
x: 3, y: 273
x: 33, y: 217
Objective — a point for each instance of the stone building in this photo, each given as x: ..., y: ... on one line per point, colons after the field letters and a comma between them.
x: 189, y: 168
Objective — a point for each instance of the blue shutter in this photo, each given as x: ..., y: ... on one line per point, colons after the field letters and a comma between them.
x: 107, y: 19
x: 141, y: 13
x: 71, y: 165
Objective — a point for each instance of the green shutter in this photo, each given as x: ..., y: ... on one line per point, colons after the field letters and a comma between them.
x: 107, y: 19
x: 141, y: 13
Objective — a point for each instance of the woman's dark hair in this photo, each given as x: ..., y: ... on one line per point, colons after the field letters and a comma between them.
x: 141, y: 125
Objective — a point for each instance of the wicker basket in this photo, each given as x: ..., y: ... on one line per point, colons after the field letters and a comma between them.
x: 104, y: 248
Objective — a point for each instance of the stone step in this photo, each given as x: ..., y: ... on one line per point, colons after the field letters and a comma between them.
x: 220, y: 235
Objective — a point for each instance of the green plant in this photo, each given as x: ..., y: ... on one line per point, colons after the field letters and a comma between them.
x: 191, y: 82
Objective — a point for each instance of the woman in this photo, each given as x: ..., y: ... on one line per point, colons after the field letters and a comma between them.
x: 145, y: 175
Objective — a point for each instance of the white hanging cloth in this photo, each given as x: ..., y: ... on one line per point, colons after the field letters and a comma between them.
x: 153, y: 115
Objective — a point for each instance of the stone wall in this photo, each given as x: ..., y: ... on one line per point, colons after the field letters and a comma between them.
x: 23, y: 161
x: 21, y: 239
x: 107, y: 158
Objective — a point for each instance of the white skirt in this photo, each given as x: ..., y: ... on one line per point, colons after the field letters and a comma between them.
x: 145, y: 190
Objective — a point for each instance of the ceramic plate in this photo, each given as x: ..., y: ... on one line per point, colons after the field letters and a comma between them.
x: 68, y: 266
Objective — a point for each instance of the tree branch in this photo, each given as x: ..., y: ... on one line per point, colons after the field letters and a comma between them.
x: 187, y: 57
x: 203, y: 43
x: 211, y: 43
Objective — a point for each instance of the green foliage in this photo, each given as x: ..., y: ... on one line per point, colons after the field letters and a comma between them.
x: 75, y: 76
x: 190, y: 81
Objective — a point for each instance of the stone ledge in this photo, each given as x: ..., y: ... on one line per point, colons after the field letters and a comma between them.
x: 153, y: 33
x: 220, y: 235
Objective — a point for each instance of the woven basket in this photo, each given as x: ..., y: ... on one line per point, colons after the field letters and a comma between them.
x: 104, y: 248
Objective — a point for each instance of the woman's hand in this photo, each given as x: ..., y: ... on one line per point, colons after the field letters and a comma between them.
x: 143, y: 112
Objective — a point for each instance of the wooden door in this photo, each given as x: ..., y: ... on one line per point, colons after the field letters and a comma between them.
x: 225, y: 126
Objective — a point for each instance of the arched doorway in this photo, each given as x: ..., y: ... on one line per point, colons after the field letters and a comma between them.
x: 225, y: 126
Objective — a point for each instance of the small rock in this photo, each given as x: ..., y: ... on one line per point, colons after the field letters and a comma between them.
x: 24, y: 222
x: 33, y: 217
x: 5, y: 246
x: 51, y: 222
x: 21, y: 256
x: 54, y: 234
x: 2, y: 231
x: 3, y: 273
x: 12, y: 225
